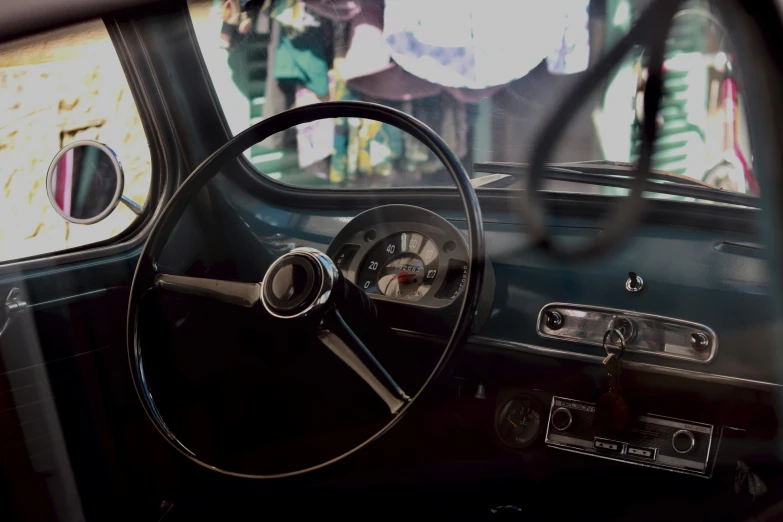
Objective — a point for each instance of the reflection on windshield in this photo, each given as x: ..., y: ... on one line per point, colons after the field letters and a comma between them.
x: 486, y: 81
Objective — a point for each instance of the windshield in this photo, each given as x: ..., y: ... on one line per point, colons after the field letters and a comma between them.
x: 486, y: 81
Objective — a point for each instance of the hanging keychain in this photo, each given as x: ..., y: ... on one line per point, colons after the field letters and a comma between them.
x: 612, y: 412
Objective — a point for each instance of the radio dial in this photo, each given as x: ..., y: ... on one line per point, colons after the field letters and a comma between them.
x: 683, y: 441
x: 562, y: 419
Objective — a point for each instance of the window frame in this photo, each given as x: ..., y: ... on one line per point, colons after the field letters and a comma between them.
x: 165, y: 166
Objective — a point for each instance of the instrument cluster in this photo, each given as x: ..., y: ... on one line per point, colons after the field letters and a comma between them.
x: 403, y: 253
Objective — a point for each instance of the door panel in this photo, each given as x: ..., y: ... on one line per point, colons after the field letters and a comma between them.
x: 75, y: 442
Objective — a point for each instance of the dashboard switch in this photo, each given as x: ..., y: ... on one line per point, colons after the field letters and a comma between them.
x: 611, y: 446
x: 641, y: 452
x: 634, y: 283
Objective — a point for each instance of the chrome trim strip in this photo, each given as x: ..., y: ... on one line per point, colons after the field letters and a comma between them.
x: 683, y: 463
x: 709, y: 449
x: 677, y: 423
x: 571, y: 441
x: 628, y: 313
x: 631, y: 365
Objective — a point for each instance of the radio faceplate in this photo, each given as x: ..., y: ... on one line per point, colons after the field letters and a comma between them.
x: 648, y: 440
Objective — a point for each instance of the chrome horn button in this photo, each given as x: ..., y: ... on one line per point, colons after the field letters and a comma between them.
x: 298, y: 283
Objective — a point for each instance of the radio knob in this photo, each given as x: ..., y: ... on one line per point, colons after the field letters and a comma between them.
x: 683, y: 441
x: 561, y: 419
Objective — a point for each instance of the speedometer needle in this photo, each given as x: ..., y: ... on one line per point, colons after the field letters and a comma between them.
x: 402, y: 277
x: 512, y: 422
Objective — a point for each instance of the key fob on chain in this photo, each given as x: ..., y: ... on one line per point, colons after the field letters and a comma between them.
x: 611, y: 411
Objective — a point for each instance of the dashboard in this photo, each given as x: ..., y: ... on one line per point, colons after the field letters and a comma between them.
x: 709, y: 277
x: 719, y: 278
x: 705, y: 282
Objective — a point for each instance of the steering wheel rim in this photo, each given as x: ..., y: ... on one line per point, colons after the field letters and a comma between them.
x: 146, y: 271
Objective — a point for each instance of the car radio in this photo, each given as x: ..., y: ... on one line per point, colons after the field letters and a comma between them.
x: 648, y: 440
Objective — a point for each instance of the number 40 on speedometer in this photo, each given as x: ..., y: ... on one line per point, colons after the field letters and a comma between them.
x: 403, y: 265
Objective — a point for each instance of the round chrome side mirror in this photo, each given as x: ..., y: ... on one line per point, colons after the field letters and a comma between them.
x: 85, y: 182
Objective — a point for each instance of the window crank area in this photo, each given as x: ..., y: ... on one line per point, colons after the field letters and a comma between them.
x: 642, y: 333
x: 14, y: 306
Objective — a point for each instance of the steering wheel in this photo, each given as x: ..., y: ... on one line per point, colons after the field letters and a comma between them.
x: 333, y: 327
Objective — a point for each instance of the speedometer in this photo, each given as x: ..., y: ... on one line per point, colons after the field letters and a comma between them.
x: 408, y: 259
x: 402, y: 265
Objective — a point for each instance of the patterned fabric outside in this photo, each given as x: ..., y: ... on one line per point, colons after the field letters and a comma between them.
x: 573, y: 56
x: 361, y: 146
x: 485, y: 44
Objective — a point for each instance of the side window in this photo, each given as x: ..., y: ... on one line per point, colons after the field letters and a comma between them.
x: 57, y: 88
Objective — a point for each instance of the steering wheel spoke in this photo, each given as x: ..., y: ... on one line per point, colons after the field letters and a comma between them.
x: 342, y: 341
x: 231, y: 292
